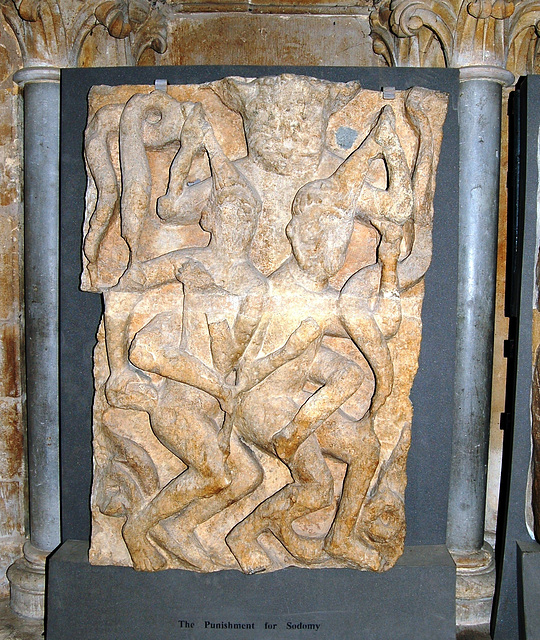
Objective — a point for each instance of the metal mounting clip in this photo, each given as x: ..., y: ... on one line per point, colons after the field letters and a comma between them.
x: 160, y: 84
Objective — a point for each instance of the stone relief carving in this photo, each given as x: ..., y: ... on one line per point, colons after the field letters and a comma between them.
x: 72, y: 34
x: 535, y: 465
x: 457, y: 33
x: 260, y: 245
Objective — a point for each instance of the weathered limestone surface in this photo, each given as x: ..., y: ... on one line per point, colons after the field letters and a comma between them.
x: 536, y: 444
x: 12, y: 485
x: 102, y: 33
x: 232, y: 37
x: 68, y: 32
x: 262, y: 319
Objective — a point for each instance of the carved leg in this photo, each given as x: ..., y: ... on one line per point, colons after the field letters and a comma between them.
x: 150, y: 352
x: 342, y: 377
x: 246, y: 476
x: 126, y: 387
x: 311, y: 490
x: 356, y: 444
x: 193, y: 439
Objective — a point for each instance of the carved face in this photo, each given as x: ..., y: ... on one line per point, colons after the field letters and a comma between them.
x: 231, y: 216
x: 285, y: 117
x: 287, y: 139
x: 319, y: 232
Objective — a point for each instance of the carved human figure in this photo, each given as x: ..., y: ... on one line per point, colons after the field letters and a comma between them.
x: 285, y: 121
x: 147, y: 122
x: 150, y: 121
x: 220, y: 279
x: 275, y: 414
x: 286, y: 148
x: 214, y: 278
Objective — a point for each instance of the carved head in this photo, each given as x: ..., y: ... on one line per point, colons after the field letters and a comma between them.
x: 320, y: 229
x: 232, y: 214
x: 285, y: 117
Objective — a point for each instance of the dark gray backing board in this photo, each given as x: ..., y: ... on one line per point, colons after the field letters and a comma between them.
x: 507, y: 622
x: 429, y: 457
x: 114, y: 603
x: 528, y: 556
x: 413, y: 600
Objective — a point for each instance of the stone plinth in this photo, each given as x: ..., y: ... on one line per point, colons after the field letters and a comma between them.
x: 413, y: 600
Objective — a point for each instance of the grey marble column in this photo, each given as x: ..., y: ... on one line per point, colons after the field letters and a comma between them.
x: 41, y: 242
x: 479, y: 157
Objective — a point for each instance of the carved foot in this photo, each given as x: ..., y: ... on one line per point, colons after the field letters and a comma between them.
x: 354, y: 551
x: 128, y: 389
x: 144, y: 555
x: 184, y: 546
x: 247, y: 552
x: 306, y: 550
x: 285, y: 445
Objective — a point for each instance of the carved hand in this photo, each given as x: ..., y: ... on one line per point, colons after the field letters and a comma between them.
x: 134, y: 279
x: 193, y: 274
x: 194, y: 130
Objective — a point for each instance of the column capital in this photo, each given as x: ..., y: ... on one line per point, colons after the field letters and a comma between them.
x: 36, y: 74
x: 487, y: 72
x: 457, y: 33
x: 55, y: 32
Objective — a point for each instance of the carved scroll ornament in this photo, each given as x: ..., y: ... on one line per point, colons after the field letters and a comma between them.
x: 260, y: 245
x: 55, y: 33
x: 457, y: 33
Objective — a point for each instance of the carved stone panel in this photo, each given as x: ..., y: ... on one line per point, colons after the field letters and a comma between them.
x: 533, y: 506
x: 260, y: 245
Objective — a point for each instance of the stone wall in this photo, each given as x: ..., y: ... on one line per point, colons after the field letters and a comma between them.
x: 12, y: 469
x: 71, y: 32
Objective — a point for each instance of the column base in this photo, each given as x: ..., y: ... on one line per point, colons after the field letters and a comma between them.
x: 475, y: 586
x: 27, y: 583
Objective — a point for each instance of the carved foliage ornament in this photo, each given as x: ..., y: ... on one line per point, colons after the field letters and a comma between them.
x: 457, y: 33
x: 48, y: 32
x: 138, y: 17
x: 261, y: 246
x: 39, y: 29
